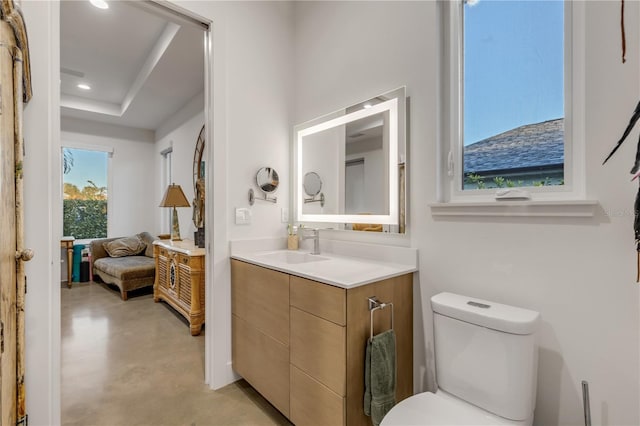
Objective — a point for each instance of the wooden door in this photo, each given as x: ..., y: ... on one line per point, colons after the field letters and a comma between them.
x: 8, y: 327
x: 14, y: 89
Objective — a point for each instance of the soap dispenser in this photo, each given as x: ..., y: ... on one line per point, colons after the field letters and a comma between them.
x: 292, y: 239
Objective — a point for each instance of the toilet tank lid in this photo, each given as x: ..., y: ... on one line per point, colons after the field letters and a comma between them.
x: 508, y: 319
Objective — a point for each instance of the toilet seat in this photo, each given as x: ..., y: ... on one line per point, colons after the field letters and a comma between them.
x: 439, y: 409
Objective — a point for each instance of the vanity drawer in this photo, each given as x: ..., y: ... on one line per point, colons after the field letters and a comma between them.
x: 260, y: 296
x: 183, y: 259
x: 262, y: 361
x: 312, y: 403
x: 318, y: 347
x: 319, y: 299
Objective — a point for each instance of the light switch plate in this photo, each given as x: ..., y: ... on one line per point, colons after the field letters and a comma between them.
x: 284, y: 215
x: 243, y: 216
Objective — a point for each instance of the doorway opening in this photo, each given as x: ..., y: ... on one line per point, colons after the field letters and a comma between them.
x: 133, y: 85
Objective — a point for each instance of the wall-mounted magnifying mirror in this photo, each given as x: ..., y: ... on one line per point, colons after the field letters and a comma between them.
x: 312, y: 185
x: 267, y: 180
x: 360, y: 153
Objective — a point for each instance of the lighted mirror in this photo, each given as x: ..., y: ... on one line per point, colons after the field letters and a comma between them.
x: 359, y: 151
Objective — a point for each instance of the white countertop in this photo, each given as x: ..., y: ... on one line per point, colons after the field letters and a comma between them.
x: 337, y: 269
x: 187, y: 247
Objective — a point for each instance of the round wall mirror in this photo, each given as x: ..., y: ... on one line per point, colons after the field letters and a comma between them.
x: 198, y: 185
x: 267, y: 180
x: 198, y: 166
x: 312, y: 184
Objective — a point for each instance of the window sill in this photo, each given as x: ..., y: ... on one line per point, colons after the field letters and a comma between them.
x: 565, y: 208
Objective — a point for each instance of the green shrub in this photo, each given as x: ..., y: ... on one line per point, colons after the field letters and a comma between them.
x: 85, y: 218
x: 475, y: 179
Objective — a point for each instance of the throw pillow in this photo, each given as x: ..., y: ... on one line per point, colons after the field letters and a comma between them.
x: 148, y: 239
x: 128, y: 246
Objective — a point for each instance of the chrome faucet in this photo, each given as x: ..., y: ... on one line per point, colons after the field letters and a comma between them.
x: 315, y: 234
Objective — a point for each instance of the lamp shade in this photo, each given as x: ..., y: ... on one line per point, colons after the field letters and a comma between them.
x: 174, y: 197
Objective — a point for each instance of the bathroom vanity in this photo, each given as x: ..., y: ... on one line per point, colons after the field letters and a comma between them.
x: 301, y: 342
x: 300, y: 320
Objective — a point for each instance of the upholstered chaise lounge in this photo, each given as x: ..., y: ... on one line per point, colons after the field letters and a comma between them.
x: 126, y: 262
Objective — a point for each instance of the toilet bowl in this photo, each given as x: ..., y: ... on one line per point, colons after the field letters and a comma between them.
x: 440, y: 409
x: 486, y: 366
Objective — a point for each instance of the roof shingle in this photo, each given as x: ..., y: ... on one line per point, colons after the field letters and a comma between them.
x: 531, y: 145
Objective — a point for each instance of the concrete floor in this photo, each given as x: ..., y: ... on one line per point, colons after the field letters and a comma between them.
x: 135, y: 363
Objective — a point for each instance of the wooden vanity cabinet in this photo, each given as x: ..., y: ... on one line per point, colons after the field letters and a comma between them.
x: 329, y: 327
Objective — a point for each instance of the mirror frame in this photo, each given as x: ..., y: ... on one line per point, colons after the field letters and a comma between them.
x: 325, y: 123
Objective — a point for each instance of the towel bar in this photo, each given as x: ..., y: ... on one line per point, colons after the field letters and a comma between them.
x: 374, y: 305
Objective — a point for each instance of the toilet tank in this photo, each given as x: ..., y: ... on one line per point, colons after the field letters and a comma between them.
x: 486, y: 354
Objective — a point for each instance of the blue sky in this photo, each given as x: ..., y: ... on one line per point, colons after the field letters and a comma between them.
x: 87, y: 165
x: 513, y: 65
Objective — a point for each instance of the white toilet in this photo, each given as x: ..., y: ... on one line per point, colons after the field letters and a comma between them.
x: 486, y: 366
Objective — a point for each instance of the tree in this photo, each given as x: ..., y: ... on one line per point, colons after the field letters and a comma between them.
x: 67, y: 160
x: 94, y: 192
x: 71, y: 192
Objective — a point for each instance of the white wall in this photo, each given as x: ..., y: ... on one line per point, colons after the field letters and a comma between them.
x: 252, y: 94
x: 578, y: 273
x: 180, y: 133
x: 259, y: 91
x: 132, y: 205
x: 42, y: 186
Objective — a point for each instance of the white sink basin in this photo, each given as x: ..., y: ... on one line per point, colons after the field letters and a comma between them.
x: 291, y: 257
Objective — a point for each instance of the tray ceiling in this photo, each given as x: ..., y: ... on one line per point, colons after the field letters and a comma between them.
x: 141, y: 67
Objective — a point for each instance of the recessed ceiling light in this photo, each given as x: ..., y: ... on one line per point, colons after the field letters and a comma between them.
x: 84, y: 86
x: 100, y: 4
x: 368, y: 105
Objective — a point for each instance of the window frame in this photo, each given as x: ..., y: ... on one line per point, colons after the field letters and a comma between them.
x: 452, y: 78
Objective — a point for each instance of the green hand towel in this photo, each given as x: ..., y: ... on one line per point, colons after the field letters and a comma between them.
x: 380, y: 376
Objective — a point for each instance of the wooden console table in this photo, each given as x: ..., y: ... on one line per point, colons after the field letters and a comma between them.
x: 180, y: 279
x: 67, y: 242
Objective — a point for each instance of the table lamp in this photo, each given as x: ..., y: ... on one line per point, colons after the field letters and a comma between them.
x: 174, y: 197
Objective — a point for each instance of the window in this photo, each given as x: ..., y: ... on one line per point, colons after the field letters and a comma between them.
x: 511, y: 92
x: 166, y: 181
x: 85, y: 177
